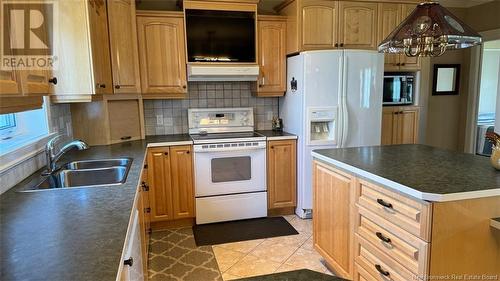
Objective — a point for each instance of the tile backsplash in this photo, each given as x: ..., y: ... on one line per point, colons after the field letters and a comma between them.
x: 167, y: 117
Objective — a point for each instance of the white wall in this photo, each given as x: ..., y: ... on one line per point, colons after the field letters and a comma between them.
x: 490, y: 71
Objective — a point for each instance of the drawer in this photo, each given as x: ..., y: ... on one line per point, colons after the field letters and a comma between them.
x: 360, y: 274
x: 411, y: 215
x: 378, y: 265
x: 409, y: 250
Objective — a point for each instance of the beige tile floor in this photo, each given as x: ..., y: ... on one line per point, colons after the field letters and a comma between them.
x: 265, y: 256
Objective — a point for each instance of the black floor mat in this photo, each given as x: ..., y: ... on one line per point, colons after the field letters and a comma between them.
x: 242, y: 230
x: 296, y: 275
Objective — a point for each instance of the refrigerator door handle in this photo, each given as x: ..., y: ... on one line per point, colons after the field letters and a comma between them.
x: 345, y: 112
x: 340, y: 113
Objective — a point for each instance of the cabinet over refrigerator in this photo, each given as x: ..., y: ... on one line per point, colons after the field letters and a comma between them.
x: 333, y: 99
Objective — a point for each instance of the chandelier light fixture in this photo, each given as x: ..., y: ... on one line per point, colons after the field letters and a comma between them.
x: 428, y: 32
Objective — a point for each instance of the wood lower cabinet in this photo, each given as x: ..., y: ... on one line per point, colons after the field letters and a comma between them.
x: 333, y: 213
x: 181, y: 165
x: 123, y: 44
x: 400, y: 125
x: 381, y: 234
x: 282, y: 174
x: 170, y: 179
x: 272, y: 56
x: 162, y: 54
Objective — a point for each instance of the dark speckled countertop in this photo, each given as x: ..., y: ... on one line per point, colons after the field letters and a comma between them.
x: 276, y: 135
x: 71, y: 234
x: 420, y: 171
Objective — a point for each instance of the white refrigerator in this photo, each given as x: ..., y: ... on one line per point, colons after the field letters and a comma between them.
x: 333, y: 99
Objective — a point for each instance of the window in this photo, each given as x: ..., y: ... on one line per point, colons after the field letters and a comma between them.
x: 7, y: 121
x: 20, y: 129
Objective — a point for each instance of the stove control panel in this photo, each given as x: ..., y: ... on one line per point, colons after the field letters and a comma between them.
x: 216, y: 120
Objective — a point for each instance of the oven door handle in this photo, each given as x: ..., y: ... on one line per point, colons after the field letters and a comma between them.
x: 223, y: 149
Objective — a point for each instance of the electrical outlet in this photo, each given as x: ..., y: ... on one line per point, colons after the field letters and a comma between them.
x: 159, y: 119
x: 270, y: 115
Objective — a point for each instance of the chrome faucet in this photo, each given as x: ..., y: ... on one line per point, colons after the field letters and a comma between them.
x: 52, y: 157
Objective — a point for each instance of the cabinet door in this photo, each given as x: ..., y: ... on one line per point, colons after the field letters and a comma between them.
x: 319, y: 24
x: 272, y: 57
x: 159, y: 179
x: 387, y: 126
x: 389, y: 17
x: 407, y: 126
x: 162, y: 55
x: 408, y: 63
x: 358, y: 25
x: 10, y: 83
x: 282, y: 174
x: 333, y: 224
x: 182, y: 181
x: 123, y: 39
x: 99, y: 38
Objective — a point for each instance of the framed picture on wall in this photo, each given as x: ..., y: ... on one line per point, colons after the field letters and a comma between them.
x: 446, y: 79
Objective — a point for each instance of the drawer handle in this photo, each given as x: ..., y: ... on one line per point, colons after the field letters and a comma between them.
x: 381, y: 271
x: 382, y: 237
x: 126, y: 138
x: 129, y: 261
x: 385, y: 204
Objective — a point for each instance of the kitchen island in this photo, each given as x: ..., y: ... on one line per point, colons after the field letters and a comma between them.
x: 408, y: 212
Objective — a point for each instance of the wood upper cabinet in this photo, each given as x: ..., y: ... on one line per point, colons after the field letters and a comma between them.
x: 160, y: 186
x: 400, y: 125
x: 334, y: 213
x: 357, y: 25
x: 123, y: 41
x: 319, y: 27
x: 162, y: 54
x: 181, y: 160
x: 272, y: 56
x: 390, y: 16
x: 99, y: 36
x: 282, y: 173
x: 170, y: 179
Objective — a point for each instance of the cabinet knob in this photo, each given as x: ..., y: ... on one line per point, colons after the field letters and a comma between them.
x: 129, y: 261
x: 165, y: 153
x: 381, y: 271
x: 336, y: 44
x: 272, y: 147
x: 147, y: 210
x: 403, y: 64
x: 341, y: 45
x: 102, y: 86
x: 187, y: 152
x: 117, y: 86
x: 184, y: 87
x: 397, y: 112
x: 53, y: 80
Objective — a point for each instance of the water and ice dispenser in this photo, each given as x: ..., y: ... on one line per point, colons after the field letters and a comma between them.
x: 322, y: 122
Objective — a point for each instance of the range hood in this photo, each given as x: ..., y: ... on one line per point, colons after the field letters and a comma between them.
x: 219, y: 72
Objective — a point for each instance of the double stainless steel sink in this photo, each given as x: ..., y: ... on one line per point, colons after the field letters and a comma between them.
x: 87, y: 173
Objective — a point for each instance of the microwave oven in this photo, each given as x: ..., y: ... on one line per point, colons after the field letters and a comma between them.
x: 398, y: 89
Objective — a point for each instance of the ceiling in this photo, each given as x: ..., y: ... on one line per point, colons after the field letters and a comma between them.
x: 266, y: 6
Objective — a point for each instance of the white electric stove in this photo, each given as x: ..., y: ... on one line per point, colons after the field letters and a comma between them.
x: 230, y: 165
